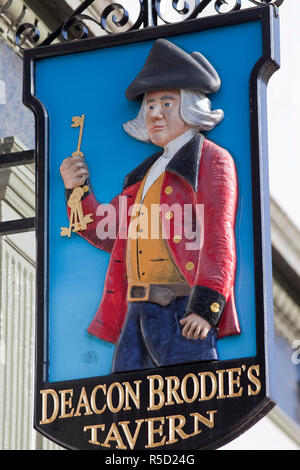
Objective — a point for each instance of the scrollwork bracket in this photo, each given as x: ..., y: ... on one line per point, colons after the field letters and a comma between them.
x: 117, y: 17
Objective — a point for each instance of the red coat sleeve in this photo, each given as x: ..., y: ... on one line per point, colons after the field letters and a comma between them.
x: 217, y: 190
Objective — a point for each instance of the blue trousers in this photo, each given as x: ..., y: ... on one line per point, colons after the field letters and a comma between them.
x: 151, y: 337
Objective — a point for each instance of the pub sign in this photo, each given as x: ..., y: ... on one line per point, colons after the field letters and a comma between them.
x: 154, y: 282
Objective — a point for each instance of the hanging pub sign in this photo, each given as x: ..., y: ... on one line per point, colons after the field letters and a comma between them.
x: 154, y: 282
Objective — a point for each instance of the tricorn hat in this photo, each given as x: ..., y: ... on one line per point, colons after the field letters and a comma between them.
x: 169, y: 67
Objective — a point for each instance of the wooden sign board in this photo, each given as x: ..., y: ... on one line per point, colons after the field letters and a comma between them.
x: 128, y: 375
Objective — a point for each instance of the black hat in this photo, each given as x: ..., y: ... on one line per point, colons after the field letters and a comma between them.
x: 169, y: 67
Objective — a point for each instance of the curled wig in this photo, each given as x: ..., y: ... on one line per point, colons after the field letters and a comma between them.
x: 195, y: 110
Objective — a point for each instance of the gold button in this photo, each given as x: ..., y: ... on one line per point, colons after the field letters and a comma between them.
x: 190, y: 265
x: 177, y: 238
x: 168, y: 190
x: 215, y: 307
x: 169, y: 215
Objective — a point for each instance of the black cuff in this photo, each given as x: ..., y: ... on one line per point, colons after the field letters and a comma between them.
x: 88, y: 191
x: 206, y: 302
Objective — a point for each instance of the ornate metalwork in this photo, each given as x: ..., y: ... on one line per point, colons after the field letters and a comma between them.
x: 95, y: 18
x: 27, y: 31
x: 16, y: 16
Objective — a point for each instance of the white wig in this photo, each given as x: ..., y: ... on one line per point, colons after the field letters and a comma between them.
x: 195, y: 110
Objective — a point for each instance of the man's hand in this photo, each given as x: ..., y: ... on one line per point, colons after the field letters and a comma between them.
x: 195, y: 327
x: 74, y: 171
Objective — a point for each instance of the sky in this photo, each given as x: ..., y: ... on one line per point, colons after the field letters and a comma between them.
x: 283, y: 115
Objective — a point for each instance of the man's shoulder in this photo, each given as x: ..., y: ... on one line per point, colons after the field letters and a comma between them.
x: 211, y: 149
x: 216, y: 161
x: 140, y: 171
x: 214, y: 154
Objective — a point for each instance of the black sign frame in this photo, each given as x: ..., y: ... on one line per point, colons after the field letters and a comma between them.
x: 68, y: 433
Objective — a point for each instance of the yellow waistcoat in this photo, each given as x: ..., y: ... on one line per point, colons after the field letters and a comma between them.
x: 148, y: 258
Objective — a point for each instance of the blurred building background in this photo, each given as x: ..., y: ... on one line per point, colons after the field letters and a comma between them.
x: 281, y: 428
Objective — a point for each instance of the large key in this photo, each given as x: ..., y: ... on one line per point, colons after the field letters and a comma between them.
x: 78, y: 221
x: 78, y: 121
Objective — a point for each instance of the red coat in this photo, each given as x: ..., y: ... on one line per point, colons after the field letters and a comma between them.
x: 211, y: 182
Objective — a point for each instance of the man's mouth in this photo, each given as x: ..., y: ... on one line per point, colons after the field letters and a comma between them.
x: 157, y: 128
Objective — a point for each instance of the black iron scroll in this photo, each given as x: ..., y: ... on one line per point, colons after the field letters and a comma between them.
x: 118, y: 17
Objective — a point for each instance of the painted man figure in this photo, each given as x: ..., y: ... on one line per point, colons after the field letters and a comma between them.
x: 166, y: 300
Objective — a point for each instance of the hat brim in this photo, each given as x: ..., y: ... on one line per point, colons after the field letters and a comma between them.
x: 169, y: 67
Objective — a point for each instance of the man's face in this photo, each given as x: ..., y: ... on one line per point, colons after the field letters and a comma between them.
x: 163, y: 120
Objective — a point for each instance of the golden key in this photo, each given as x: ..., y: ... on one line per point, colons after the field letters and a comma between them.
x: 78, y: 221
x: 78, y: 121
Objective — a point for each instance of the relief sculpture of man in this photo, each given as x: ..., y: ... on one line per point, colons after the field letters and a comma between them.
x: 167, y: 300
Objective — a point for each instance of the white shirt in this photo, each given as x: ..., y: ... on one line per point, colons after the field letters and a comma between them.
x: 170, y: 150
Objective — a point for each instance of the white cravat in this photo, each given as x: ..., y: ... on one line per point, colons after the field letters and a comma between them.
x: 170, y: 150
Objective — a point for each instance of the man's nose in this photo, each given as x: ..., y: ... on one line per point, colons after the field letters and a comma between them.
x: 157, y: 112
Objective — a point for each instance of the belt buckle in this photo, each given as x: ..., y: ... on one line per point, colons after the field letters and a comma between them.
x: 136, y: 298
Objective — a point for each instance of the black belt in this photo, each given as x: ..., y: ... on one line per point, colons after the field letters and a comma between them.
x: 161, y: 294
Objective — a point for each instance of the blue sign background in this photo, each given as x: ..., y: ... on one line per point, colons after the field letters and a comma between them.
x: 93, y: 83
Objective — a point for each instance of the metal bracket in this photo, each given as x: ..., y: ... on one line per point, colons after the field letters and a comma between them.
x: 19, y: 225
x: 114, y: 17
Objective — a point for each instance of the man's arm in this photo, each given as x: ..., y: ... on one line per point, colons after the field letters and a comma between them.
x: 217, y: 258
x: 75, y: 173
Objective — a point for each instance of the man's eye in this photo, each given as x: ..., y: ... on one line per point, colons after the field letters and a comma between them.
x: 167, y: 104
x: 150, y: 107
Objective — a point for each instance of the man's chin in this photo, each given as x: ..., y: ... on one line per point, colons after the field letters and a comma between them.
x: 158, y: 140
